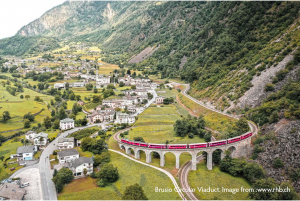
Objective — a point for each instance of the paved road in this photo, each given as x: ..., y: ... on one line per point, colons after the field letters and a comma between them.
x: 187, y: 167
x: 48, y: 188
x: 49, y: 192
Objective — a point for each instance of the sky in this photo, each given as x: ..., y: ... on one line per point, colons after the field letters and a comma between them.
x: 14, y: 14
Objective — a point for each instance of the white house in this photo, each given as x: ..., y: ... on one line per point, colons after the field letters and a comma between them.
x: 78, y: 165
x: 79, y: 84
x: 40, y: 139
x: 101, y: 80
x: 141, y: 92
x: 66, y: 124
x: 25, y: 152
x: 30, y: 135
x: 66, y: 143
x: 67, y: 156
x: 37, y: 138
x: 59, y: 85
x: 159, y: 100
x: 124, y: 118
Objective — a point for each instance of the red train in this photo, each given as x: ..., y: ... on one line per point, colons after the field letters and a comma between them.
x: 188, y: 146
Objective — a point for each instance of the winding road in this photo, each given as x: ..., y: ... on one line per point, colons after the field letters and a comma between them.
x: 116, y: 138
x: 184, y: 171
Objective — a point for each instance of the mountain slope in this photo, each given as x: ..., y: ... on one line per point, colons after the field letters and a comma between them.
x: 223, y: 44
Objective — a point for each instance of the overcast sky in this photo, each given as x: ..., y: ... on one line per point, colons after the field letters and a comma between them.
x: 14, y: 14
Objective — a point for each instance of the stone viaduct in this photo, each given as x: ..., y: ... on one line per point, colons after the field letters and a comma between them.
x: 238, y: 149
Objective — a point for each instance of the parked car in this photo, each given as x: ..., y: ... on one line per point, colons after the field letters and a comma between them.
x: 12, y: 169
x: 24, y: 185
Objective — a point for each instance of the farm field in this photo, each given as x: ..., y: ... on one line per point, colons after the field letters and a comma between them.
x: 214, y: 120
x: 19, y: 107
x: 215, y: 178
x: 130, y: 173
x: 83, y: 92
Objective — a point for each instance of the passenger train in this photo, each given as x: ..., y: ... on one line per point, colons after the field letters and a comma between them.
x: 188, y: 146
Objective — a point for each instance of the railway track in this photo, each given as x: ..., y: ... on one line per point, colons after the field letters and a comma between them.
x: 183, y: 174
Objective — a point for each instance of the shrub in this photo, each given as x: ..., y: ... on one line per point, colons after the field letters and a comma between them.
x: 191, y: 135
x: 269, y: 87
x: 278, y: 163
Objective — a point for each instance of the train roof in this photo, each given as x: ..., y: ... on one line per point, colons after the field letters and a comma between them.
x: 198, y: 143
x: 218, y: 141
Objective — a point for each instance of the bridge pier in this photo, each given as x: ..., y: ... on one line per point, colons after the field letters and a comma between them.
x: 137, y: 154
x: 148, y: 157
x: 194, y: 161
x: 177, y: 160
x: 209, y: 160
x: 128, y: 151
x: 162, y: 160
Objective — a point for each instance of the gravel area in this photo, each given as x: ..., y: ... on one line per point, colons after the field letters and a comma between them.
x: 34, y: 190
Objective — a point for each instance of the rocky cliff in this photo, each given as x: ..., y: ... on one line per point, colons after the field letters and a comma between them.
x: 72, y: 18
x: 286, y: 148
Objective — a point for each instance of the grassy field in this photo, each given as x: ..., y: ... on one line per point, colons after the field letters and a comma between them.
x: 216, y: 179
x: 167, y: 92
x: 214, y: 120
x: 19, y: 107
x: 8, y: 148
x: 130, y: 172
x: 155, y: 125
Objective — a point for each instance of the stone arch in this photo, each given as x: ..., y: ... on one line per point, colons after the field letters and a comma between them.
x: 206, y: 156
x: 139, y: 153
x: 233, y: 151
x: 217, y: 155
x: 130, y: 150
x: 184, y: 157
x: 122, y: 147
x: 168, y: 157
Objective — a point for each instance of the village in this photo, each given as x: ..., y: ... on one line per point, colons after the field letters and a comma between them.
x: 137, y: 94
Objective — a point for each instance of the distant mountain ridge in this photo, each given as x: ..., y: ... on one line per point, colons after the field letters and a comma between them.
x: 217, y: 46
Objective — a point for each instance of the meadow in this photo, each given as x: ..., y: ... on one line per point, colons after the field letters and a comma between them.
x: 155, y: 125
x: 8, y: 148
x: 130, y: 173
x: 213, y: 120
x: 215, y: 178
x: 18, y: 107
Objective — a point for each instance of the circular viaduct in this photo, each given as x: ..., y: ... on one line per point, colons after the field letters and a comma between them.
x: 238, y: 149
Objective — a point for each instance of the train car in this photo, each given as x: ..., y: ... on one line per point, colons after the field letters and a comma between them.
x: 235, y: 139
x: 124, y: 141
x: 217, y: 143
x: 198, y: 145
x: 157, y: 146
x: 244, y: 136
x: 140, y: 144
x: 177, y: 146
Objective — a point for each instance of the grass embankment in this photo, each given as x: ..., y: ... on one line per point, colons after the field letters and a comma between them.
x: 8, y: 148
x: 215, y: 178
x: 213, y: 120
x: 130, y: 173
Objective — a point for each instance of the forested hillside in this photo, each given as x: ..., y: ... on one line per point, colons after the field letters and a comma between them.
x: 19, y: 45
x: 219, y: 47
